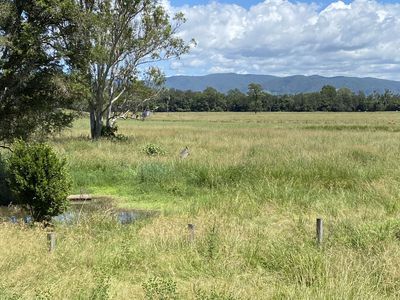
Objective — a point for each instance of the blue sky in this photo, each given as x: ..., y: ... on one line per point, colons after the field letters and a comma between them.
x: 281, y: 37
x: 249, y: 3
x: 242, y: 3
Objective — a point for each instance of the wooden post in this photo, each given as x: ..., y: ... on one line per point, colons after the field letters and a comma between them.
x: 191, y: 232
x: 320, y: 231
x: 51, y: 238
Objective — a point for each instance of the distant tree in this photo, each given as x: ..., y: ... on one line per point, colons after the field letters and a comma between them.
x: 327, y: 97
x: 215, y: 99
x: 237, y: 101
x: 362, y: 103
x: 200, y: 102
x: 391, y: 101
x: 181, y: 100
x: 298, y: 102
x: 344, y: 100
x: 386, y: 99
x: 286, y: 103
x: 255, y: 93
x: 374, y: 102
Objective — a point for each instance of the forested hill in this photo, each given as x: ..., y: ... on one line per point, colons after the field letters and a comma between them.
x: 281, y: 85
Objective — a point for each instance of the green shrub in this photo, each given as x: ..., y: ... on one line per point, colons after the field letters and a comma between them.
x: 38, y: 180
x: 157, y: 288
x: 153, y: 150
x: 110, y: 132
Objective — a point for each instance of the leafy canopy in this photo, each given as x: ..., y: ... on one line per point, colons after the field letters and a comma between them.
x: 122, y: 40
x: 34, y: 85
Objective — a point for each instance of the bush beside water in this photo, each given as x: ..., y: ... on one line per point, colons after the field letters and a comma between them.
x: 38, y: 180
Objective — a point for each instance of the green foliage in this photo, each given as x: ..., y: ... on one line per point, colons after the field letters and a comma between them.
x: 153, y: 150
x: 33, y: 86
x: 38, y: 179
x: 110, y: 35
x: 257, y: 100
x: 110, y: 132
x: 255, y: 93
x: 5, y: 193
x: 157, y: 288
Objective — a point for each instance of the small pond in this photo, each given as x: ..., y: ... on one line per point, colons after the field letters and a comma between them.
x: 81, y: 209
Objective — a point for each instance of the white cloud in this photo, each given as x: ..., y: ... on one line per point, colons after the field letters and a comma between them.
x: 285, y: 38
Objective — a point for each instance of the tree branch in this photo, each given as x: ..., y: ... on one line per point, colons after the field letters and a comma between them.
x: 6, y: 147
x: 115, y: 99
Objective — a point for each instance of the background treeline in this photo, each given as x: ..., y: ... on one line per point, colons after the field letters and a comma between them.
x: 328, y: 99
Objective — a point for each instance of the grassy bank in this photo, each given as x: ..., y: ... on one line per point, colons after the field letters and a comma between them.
x: 252, y: 185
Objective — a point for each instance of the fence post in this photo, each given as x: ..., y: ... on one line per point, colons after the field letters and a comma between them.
x: 51, y: 238
x: 319, y: 231
x: 191, y: 232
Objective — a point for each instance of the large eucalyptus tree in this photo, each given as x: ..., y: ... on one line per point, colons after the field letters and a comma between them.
x: 123, y: 40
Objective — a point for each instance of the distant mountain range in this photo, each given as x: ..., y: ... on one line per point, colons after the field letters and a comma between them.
x: 281, y: 85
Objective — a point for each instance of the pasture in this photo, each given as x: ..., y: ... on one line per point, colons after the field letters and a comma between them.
x: 252, y: 185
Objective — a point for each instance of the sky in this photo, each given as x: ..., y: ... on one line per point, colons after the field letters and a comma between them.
x: 287, y: 37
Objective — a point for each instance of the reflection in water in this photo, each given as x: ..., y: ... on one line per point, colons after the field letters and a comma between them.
x: 70, y: 217
x: 78, y: 210
x: 128, y: 217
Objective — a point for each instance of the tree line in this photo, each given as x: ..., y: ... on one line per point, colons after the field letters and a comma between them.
x: 257, y: 100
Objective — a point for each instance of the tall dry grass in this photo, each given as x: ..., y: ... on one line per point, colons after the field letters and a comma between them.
x: 252, y: 185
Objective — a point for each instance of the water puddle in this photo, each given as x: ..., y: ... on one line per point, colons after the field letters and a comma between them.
x: 79, y: 210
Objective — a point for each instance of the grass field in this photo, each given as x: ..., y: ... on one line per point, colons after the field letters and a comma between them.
x: 253, y: 185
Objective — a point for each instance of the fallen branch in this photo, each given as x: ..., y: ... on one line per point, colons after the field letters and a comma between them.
x: 6, y: 147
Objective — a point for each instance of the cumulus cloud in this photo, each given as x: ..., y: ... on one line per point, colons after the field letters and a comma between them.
x: 285, y: 38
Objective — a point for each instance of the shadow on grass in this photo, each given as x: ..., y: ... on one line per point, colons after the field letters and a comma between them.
x: 64, y: 139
